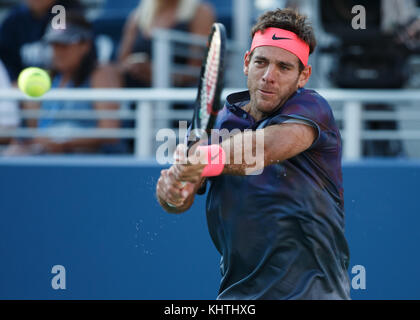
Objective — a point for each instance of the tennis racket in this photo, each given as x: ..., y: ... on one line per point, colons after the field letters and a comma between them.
x: 208, y: 104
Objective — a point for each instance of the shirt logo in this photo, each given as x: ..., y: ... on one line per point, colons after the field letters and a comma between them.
x: 276, y: 38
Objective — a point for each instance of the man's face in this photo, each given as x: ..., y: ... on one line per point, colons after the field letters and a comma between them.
x: 273, y: 76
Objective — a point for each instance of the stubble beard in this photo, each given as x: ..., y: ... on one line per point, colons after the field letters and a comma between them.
x: 253, y: 105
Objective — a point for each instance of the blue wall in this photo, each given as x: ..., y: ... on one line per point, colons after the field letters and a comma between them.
x: 99, y: 219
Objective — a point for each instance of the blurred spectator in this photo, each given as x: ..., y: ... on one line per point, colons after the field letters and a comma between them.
x: 135, y: 53
x: 21, y: 33
x: 9, y: 117
x: 74, y: 66
x: 373, y: 58
x: 399, y: 20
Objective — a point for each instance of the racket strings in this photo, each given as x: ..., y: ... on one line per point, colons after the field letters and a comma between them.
x: 210, y: 76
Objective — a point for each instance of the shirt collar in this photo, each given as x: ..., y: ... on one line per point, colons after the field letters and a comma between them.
x: 237, y: 100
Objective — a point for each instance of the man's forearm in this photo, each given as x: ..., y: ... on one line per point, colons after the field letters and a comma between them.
x: 249, y: 151
x: 244, y: 153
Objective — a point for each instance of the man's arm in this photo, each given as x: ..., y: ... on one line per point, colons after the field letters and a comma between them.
x: 281, y: 142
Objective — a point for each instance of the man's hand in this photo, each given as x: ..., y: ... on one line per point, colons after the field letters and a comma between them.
x: 177, y: 185
x: 173, y: 191
x: 189, y: 170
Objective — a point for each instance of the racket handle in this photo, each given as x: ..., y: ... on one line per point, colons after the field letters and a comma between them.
x: 213, y: 168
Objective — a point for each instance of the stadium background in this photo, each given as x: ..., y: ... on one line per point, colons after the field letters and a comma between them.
x: 97, y: 216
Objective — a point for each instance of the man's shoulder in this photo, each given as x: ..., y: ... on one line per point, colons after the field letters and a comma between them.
x: 309, y: 102
x: 309, y: 98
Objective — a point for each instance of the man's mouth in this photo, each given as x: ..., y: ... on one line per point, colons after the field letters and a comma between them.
x: 266, y: 92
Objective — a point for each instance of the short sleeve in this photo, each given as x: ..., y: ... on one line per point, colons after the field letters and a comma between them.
x: 298, y: 119
x: 311, y: 109
x: 308, y: 123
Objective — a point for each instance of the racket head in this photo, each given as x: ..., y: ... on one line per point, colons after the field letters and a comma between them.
x: 210, y: 86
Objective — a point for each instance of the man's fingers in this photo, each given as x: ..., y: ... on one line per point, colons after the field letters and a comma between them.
x: 175, y: 186
x: 188, y: 189
x: 187, y: 173
x: 175, y: 196
x: 175, y: 176
x: 169, y: 189
x: 175, y: 191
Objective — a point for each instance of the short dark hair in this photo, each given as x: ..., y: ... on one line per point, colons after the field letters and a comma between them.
x: 290, y: 20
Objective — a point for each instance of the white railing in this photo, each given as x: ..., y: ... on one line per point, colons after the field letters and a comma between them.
x: 145, y: 116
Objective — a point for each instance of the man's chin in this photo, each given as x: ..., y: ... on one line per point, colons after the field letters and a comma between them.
x: 268, y: 107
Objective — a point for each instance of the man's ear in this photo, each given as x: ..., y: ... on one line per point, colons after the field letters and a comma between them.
x: 247, y: 59
x: 304, y: 76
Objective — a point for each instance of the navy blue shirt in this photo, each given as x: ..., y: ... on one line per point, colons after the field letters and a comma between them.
x: 281, y: 233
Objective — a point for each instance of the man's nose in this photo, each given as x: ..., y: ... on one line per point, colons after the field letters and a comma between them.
x: 269, y: 74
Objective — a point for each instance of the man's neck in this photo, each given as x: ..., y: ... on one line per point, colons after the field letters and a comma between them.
x: 253, y: 112
x: 252, y: 109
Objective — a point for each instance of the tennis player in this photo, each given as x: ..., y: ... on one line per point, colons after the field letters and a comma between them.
x: 280, y: 233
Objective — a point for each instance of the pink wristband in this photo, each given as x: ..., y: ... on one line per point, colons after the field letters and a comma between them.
x: 216, y: 159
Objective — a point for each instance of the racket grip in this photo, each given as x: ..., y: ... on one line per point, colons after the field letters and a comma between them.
x: 216, y: 159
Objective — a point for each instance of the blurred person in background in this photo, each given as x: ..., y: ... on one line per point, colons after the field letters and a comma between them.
x: 9, y: 111
x: 21, y: 44
x: 399, y: 22
x: 21, y: 34
x: 374, y: 57
x: 401, y: 18
x: 74, y: 66
x: 135, y: 53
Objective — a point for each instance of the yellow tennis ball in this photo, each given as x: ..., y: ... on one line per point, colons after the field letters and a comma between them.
x: 34, y: 81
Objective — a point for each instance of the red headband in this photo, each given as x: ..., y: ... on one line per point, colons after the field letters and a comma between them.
x: 284, y: 39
